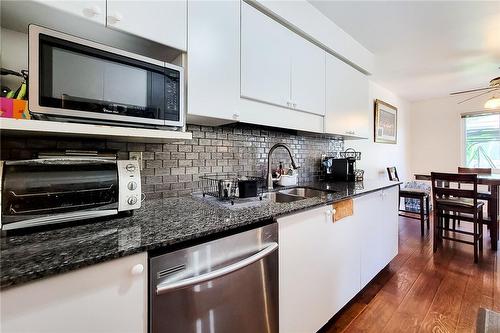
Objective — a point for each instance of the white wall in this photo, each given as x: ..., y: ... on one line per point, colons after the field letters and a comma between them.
x: 437, y: 133
x: 13, y: 55
x: 376, y: 157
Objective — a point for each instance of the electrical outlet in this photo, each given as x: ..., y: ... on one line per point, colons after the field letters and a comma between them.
x: 136, y: 155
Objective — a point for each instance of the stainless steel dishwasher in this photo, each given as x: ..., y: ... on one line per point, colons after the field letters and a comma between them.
x: 224, y: 286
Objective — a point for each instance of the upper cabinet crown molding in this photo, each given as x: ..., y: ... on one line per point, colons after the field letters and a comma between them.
x: 305, y: 19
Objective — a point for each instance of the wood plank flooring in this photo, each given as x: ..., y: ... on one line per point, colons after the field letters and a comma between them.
x: 421, y: 291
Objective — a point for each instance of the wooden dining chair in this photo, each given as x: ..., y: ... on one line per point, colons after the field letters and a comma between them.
x: 459, y: 203
x: 412, y: 193
x: 481, y: 195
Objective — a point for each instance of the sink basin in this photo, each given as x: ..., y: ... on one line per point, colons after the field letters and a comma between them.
x: 281, y: 197
x: 304, y: 192
x: 295, y: 194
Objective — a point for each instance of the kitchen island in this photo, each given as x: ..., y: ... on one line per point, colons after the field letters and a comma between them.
x: 324, y: 259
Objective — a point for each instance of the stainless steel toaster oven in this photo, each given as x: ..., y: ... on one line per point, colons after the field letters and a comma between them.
x: 61, y: 189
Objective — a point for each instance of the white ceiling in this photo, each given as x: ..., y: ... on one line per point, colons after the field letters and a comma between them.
x: 424, y: 49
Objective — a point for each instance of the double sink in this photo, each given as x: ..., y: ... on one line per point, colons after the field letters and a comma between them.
x: 295, y: 194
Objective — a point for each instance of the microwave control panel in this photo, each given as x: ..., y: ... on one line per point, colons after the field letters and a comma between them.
x: 129, y: 185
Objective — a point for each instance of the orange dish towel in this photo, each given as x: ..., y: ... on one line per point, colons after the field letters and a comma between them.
x: 342, y: 209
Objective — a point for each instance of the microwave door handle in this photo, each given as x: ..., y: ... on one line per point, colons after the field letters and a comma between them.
x: 171, y: 286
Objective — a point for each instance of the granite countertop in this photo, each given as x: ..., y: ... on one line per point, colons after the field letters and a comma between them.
x: 159, y: 224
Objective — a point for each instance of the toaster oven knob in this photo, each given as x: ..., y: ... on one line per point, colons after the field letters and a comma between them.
x: 132, y: 186
x: 130, y: 167
x: 132, y: 201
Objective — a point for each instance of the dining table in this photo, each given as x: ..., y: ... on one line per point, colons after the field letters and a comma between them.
x: 493, y: 181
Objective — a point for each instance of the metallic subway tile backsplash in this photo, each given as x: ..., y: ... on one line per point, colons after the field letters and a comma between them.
x: 173, y: 169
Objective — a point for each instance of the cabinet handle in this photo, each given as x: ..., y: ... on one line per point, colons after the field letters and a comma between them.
x: 236, y: 116
x: 350, y: 132
x: 294, y: 105
x: 92, y: 11
x: 329, y: 214
x: 137, y: 269
x: 113, y: 19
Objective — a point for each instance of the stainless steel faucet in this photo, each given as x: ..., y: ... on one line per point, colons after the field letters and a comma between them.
x: 269, y: 170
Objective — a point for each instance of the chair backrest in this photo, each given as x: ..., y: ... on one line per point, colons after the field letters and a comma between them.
x: 393, y: 174
x: 442, y: 185
x: 480, y: 171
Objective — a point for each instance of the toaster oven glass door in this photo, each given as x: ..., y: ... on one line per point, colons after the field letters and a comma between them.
x: 41, y: 189
x: 77, y: 80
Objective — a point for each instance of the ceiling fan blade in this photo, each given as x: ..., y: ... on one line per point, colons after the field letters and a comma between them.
x: 472, y: 90
x: 468, y: 99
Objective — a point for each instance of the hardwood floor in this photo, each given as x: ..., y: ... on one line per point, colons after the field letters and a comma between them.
x: 424, y: 292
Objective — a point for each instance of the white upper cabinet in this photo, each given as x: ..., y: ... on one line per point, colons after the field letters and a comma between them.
x: 164, y: 22
x: 278, y: 66
x: 91, y: 10
x: 308, y: 76
x: 213, y: 61
x: 347, y: 100
x: 265, y: 58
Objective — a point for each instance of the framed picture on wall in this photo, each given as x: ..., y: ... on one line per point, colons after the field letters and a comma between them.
x: 386, y: 122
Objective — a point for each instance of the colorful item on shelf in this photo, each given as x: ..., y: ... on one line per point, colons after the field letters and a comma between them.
x: 6, y: 107
x: 14, y: 108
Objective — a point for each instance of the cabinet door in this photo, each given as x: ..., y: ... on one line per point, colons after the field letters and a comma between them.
x: 108, y: 297
x: 266, y: 47
x: 164, y: 22
x: 346, y: 256
x: 94, y: 10
x: 377, y: 215
x: 308, y: 76
x: 213, y: 59
x: 307, y: 272
x: 347, y: 100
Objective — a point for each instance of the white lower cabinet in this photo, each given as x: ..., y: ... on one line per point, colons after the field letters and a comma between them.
x: 378, y: 213
x: 323, y: 265
x: 109, y: 297
x: 306, y: 285
x: 345, y: 261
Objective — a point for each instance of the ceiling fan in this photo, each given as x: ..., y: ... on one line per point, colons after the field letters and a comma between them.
x: 493, y: 102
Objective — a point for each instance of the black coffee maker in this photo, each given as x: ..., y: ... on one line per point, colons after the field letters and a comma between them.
x: 341, y: 167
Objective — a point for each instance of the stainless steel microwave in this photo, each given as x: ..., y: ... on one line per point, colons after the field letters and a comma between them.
x: 83, y: 81
x: 61, y: 189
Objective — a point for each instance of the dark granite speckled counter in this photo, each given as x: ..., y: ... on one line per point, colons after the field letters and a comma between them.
x: 159, y: 224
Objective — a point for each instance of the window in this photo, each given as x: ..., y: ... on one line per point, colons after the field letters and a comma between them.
x: 482, y: 141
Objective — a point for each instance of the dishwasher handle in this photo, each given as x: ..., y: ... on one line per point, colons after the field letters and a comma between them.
x: 166, y: 287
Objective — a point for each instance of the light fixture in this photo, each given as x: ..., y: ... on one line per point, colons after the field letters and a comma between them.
x: 492, y: 103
